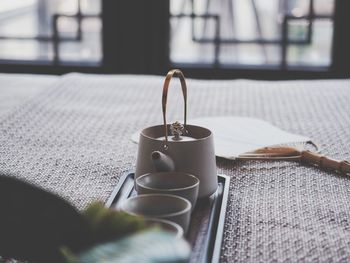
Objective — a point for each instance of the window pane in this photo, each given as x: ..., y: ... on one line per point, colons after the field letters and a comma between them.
x: 25, y: 50
x: 184, y: 49
x: 87, y: 50
x: 250, y: 54
x: 27, y: 32
x: 18, y: 18
x: 257, y: 32
x: 314, y: 53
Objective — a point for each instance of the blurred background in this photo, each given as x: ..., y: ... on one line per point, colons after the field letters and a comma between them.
x: 210, y: 38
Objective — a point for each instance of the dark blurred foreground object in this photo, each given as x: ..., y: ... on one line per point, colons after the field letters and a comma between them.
x: 38, y: 226
x: 34, y: 223
x: 149, y: 246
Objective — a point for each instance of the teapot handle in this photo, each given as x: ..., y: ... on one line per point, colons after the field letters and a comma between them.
x: 179, y: 74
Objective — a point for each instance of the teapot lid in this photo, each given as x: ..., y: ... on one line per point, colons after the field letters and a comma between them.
x: 178, y: 132
x: 192, y: 133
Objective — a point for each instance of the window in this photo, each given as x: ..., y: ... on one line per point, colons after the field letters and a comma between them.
x: 51, y: 31
x: 262, y: 39
x: 264, y: 33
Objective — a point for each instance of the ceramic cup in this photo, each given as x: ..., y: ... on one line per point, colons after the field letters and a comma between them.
x: 175, y: 183
x: 166, y: 225
x: 169, y: 207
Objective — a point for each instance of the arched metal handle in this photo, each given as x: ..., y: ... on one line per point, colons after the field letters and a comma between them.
x: 173, y: 73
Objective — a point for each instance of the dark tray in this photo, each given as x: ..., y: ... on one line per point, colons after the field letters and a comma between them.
x: 207, y: 221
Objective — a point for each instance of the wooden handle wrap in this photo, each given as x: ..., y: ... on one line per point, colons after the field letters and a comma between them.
x: 325, y: 162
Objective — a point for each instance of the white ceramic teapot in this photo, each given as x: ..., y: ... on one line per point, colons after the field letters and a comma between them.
x: 180, y: 148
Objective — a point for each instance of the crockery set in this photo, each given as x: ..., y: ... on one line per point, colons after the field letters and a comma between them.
x: 175, y: 166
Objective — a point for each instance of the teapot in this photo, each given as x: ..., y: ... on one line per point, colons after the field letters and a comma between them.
x: 176, y: 147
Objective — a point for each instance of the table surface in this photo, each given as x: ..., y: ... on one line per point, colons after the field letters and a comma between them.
x: 15, y: 89
x: 71, y: 135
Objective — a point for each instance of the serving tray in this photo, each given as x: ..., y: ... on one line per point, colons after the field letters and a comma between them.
x: 207, y: 220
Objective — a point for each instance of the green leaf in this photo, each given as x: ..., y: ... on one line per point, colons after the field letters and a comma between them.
x: 147, y: 246
x: 107, y: 224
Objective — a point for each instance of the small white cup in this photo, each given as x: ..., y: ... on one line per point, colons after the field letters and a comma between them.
x: 161, y: 206
x: 167, y: 226
x: 175, y: 183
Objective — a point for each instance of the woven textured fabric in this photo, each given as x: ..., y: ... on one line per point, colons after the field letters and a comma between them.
x: 18, y: 88
x: 74, y: 139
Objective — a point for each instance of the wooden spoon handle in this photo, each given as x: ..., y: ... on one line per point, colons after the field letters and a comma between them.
x: 325, y: 162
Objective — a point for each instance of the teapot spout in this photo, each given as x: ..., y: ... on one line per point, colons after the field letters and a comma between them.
x: 162, y: 162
